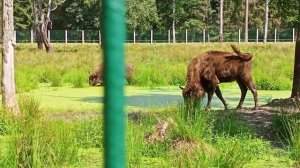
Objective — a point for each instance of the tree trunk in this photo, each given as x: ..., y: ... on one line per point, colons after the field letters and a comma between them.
x: 296, y: 79
x: 41, y: 26
x: 221, y: 38
x: 246, y: 20
x: 266, y: 20
x: 173, y: 23
x: 9, y: 99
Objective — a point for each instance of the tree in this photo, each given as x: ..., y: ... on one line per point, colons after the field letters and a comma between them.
x: 221, y: 21
x: 9, y: 99
x: 141, y: 15
x: 266, y: 20
x: 78, y: 15
x: 246, y: 19
x: 290, y: 10
x: 41, y: 11
x: 23, y: 15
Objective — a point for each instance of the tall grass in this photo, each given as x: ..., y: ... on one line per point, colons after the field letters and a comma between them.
x: 156, y: 65
x: 204, y: 139
x: 287, y: 128
x: 34, y: 142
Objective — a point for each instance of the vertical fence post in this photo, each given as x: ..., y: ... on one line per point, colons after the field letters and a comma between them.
x: 82, y: 36
x: 239, y: 35
x: 114, y: 75
x: 275, y: 35
x: 293, y: 35
x: 256, y: 35
x: 99, y: 36
x: 186, y: 36
x: 208, y: 39
x: 49, y: 37
x: 134, y: 35
x: 66, y: 36
x: 31, y: 36
x: 169, y: 36
x: 203, y: 35
x: 151, y: 38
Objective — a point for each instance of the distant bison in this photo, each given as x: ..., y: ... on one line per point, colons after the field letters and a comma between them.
x: 209, y: 69
x: 96, y: 77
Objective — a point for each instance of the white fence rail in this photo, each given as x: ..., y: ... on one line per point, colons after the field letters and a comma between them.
x: 184, y: 36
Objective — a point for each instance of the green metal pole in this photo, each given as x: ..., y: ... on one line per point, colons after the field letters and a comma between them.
x: 114, y: 77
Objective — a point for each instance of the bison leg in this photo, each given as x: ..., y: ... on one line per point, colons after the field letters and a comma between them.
x: 210, y: 94
x: 252, y: 87
x: 244, y: 90
x: 209, y: 97
x: 219, y: 95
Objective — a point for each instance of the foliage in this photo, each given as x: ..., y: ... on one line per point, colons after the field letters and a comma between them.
x: 141, y: 15
x: 289, y: 10
x: 23, y: 14
x: 158, y: 15
x: 78, y: 15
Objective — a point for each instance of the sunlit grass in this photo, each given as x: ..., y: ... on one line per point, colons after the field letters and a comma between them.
x: 156, y: 64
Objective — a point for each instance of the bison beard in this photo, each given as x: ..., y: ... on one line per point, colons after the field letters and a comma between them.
x: 96, y: 77
x: 209, y: 69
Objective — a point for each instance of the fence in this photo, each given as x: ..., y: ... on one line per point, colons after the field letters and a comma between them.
x: 184, y: 36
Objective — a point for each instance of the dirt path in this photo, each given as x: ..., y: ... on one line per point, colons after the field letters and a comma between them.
x: 261, y: 120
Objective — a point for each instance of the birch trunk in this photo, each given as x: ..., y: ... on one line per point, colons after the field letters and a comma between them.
x: 9, y: 99
x: 266, y: 21
x: 221, y: 38
x: 246, y: 20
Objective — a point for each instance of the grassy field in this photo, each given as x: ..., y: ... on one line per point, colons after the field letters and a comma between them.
x: 156, y: 65
x: 61, y: 121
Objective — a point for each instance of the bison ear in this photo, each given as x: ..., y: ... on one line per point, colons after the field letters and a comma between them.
x: 235, y: 49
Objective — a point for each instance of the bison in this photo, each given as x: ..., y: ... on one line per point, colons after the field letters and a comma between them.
x: 96, y: 77
x: 209, y: 69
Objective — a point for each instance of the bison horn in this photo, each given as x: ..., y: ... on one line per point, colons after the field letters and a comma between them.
x: 181, y: 87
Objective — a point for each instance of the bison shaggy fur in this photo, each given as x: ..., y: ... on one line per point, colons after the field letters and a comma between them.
x: 209, y: 69
x: 96, y: 77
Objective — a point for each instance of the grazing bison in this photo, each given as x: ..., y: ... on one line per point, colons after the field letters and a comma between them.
x: 209, y: 69
x: 96, y: 77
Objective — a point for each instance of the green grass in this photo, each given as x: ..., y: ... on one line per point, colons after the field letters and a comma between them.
x: 206, y: 141
x: 60, y: 125
x: 156, y: 65
x: 209, y: 139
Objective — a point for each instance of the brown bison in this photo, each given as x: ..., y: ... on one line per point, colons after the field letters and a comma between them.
x: 96, y: 77
x: 209, y: 69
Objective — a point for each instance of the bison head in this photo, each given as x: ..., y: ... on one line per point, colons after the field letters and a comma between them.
x: 94, y: 80
x: 194, y: 92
